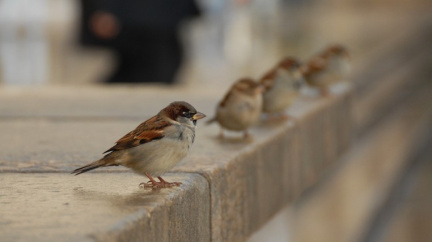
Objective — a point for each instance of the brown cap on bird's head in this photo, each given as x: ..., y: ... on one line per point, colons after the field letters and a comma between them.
x: 244, y: 85
x: 315, y: 65
x: 268, y: 78
x: 288, y: 63
x: 335, y: 50
x: 271, y: 74
x: 248, y: 85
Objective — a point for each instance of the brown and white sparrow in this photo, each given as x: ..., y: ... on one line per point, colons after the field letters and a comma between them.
x: 327, y: 68
x: 240, y: 108
x: 282, y: 86
x: 155, y: 146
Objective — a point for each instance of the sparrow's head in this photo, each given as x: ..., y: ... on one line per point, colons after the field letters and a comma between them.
x: 248, y: 86
x: 336, y: 50
x: 182, y: 112
x: 244, y: 86
x: 315, y: 65
x: 289, y: 63
x: 293, y: 67
x: 267, y: 80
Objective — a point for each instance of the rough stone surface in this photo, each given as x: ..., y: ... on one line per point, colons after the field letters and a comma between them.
x: 102, y: 207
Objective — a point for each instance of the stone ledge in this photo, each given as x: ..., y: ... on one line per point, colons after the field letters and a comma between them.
x: 246, y: 182
x: 102, y: 207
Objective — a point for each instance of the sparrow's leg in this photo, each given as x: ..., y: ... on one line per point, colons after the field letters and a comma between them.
x: 154, y: 183
x: 168, y: 184
x: 221, y: 134
x: 246, y: 134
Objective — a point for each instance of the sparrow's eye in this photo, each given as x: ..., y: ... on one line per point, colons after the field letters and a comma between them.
x: 188, y: 114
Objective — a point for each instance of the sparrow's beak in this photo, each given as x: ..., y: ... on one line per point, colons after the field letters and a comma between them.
x: 198, y: 115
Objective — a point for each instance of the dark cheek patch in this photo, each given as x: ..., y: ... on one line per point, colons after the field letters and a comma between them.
x: 194, y: 121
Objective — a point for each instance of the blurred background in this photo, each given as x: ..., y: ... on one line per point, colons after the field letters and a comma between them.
x: 62, y: 42
x: 211, y: 43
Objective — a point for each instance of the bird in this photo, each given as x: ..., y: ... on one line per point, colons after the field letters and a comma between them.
x: 155, y: 146
x: 282, y: 86
x: 327, y: 68
x: 240, y: 108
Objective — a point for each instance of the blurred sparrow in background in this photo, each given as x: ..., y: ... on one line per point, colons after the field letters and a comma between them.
x: 155, y: 146
x: 240, y: 108
x: 327, y: 68
x: 282, y: 86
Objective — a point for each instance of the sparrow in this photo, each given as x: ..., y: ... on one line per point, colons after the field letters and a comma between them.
x: 155, y: 146
x: 240, y: 108
x: 282, y: 86
x: 327, y: 68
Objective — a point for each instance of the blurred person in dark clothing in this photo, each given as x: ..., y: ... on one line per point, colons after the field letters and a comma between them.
x: 144, y: 34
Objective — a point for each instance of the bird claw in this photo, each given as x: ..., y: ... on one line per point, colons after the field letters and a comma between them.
x: 158, y: 185
x: 176, y: 184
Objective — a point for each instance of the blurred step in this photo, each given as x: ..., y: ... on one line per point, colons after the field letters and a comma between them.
x: 342, y: 206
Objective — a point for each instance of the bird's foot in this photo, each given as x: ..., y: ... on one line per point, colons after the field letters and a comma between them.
x: 221, y: 134
x: 168, y: 184
x: 172, y: 184
x: 325, y: 92
x: 157, y: 185
x: 246, y: 135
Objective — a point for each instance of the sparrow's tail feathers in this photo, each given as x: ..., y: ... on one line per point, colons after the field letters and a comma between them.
x: 89, y: 167
x: 211, y: 120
